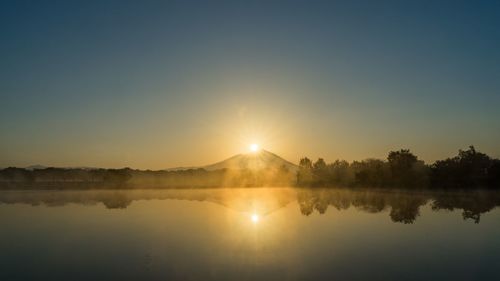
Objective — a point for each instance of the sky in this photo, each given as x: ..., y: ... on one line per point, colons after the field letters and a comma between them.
x: 158, y: 84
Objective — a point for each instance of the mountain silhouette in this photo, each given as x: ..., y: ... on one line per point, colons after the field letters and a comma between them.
x: 259, y: 160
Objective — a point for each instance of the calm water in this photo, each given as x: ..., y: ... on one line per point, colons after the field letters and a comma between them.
x: 249, y: 234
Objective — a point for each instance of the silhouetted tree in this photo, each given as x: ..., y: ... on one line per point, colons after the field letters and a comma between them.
x: 340, y: 173
x: 320, y: 172
x: 13, y: 174
x: 305, y: 175
x: 469, y: 169
x: 371, y: 172
x: 406, y: 169
x: 494, y: 174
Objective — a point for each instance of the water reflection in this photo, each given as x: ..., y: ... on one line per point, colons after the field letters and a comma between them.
x: 402, y: 206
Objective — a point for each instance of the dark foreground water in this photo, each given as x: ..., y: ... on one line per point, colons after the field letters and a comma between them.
x: 249, y: 234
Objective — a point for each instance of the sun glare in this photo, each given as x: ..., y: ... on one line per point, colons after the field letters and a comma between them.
x: 255, y: 218
x: 254, y: 147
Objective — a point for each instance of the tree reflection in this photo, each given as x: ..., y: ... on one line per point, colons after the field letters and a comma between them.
x: 406, y: 210
x: 472, y: 204
x: 403, y: 206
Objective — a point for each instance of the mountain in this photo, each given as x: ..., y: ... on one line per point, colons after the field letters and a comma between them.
x: 182, y: 168
x: 35, y: 167
x: 262, y: 159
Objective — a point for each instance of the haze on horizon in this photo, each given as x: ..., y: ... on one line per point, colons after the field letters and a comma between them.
x: 189, y: 83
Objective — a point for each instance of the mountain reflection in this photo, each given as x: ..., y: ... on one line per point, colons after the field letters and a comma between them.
x: 402, y: 206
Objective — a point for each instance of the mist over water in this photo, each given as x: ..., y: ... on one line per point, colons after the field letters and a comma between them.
x: 249, y: 234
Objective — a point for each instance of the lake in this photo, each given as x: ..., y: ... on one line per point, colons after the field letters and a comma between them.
x: 249, y: 234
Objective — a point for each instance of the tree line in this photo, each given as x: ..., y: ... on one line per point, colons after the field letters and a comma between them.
x: 126, y: 178
x: 402, y: 169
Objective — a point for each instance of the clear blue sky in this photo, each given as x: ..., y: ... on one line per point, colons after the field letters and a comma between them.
x: 155, y: 84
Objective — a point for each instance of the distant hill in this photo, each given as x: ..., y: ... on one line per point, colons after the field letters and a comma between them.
x: 262, y: 159
x: 35, y: 167
x: 182, y: 168
x: 41, y: 167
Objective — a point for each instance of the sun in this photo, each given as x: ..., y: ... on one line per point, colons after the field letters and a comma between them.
x: 254, y: 147
x: 255, y: 218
